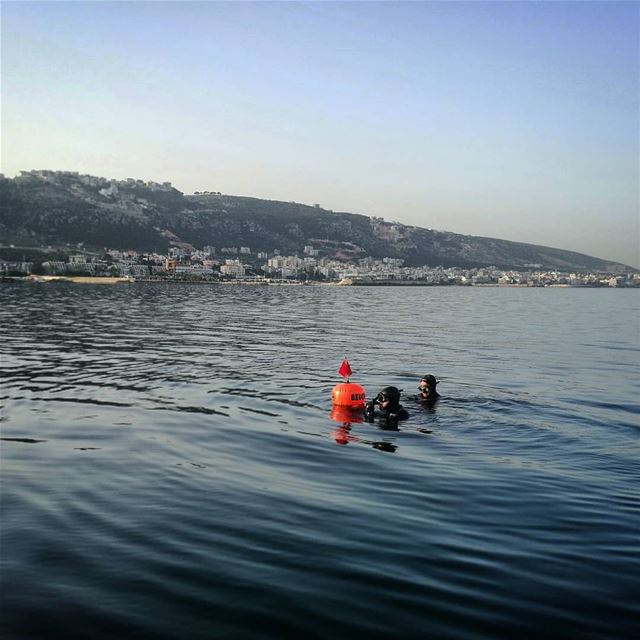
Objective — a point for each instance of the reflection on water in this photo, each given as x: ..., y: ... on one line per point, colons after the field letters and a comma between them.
x: 172, y: 467
x: 342, y: 434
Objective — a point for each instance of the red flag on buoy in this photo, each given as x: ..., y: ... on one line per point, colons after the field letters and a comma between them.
x: 345, y: 369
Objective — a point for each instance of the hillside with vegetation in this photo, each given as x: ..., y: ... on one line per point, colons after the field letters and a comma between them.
x: 49, y: 208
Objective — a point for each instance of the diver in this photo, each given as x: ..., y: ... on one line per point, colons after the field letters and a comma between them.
x: 427, y: 392
x: 390, y: 409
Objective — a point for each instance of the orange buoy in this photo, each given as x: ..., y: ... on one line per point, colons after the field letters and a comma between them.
x: 348, y: 394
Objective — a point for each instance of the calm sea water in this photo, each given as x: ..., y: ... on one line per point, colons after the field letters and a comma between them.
x: 170, y: 467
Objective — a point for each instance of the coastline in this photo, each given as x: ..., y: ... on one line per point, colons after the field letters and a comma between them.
x: 108, y: 280
x: 79, y: 279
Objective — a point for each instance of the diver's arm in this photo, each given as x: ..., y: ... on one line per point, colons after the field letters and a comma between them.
x: 369, y: 411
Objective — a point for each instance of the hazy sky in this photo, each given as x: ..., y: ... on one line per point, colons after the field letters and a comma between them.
x: 516, y: 120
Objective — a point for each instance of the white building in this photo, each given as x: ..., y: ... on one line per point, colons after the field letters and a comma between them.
x: 277, y: 262
x: 232, y: 268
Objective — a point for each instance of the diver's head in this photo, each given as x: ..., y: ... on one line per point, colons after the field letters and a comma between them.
x: 427, y: 385
x: 389, y: 398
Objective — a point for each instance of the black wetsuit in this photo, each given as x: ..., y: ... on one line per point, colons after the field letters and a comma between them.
x: 429, y: 400
x: 388, y: 418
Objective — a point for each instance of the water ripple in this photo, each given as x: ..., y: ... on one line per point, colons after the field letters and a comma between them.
x: 187, y: 477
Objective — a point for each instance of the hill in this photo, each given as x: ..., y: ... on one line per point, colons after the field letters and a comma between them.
x: 58, y: 208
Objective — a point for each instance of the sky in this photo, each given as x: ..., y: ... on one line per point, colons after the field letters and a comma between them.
x: 514, y: 120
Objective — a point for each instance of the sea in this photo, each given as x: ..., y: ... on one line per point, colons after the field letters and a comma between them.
x: 171, y: 466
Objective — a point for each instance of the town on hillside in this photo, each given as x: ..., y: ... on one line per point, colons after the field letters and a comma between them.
x: 241, y: 265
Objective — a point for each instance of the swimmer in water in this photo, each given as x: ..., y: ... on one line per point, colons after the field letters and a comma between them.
x: 427, y: 393
x: 390, y: 411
